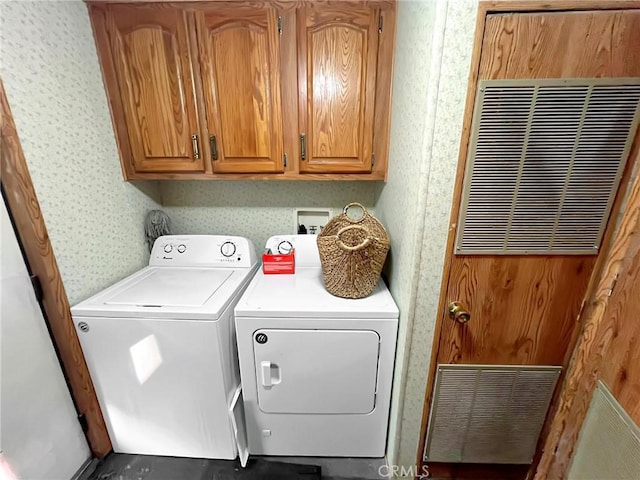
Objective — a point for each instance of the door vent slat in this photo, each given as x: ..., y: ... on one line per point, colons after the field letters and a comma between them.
x: 488, y: 413
x: 545, y: 161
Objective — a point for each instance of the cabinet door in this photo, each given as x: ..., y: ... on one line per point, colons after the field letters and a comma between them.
x: 152, y: 62
x: 337, y: 61
x: 240, y: 65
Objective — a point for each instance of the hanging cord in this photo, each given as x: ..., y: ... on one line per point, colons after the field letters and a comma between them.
x: 156, y: 224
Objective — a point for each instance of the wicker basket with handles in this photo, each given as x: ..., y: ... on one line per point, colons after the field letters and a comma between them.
x: 352, y: 253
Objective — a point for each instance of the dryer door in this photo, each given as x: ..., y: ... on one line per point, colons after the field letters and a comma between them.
x: 316, y: 371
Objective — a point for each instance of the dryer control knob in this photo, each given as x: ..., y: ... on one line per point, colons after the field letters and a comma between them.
x: 285, y: 247
x: 168, y: 248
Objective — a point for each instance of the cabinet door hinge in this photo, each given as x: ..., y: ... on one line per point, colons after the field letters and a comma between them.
x: 284, y: 160
x: 279, y: 25
x: 584, y: 302
x: 37, y: 287
x: 82, y: 419
x: 373, y: 159
x: 613, y: 285
x: 380, y: 23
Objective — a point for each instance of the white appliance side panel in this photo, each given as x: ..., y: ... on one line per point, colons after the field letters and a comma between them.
x: 237, y: 415
x: 160, y: 385
x: 316, y: 371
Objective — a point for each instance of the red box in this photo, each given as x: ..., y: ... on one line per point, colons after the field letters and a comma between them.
x: 277, y: 263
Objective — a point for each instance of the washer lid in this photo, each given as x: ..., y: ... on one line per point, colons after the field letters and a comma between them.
x: 170, y: 293
x: 171, y: 287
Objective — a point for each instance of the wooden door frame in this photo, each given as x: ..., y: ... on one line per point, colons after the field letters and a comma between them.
x: 485, y: 8
x: 31, y: 231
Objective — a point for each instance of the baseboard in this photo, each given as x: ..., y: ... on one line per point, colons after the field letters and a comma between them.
x: 87, y: 468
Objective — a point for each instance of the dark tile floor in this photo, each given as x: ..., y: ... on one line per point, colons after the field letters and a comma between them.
x: 146, y: 467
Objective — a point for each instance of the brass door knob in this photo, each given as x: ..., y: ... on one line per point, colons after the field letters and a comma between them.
x: 458, y: 313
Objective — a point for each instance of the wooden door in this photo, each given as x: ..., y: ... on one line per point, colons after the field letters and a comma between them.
x: 151, y: 57
x: 239, y: 48
x: 524, y: 308
x: 337, y: 62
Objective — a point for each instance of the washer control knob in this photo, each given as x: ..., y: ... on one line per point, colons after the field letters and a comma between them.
x: 228, y: 249
x: 182, y: 248
x: 168, y: 248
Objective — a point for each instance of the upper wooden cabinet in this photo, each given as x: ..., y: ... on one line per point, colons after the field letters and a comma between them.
x: 337, y: 60
x: 269, y: 90
x: 151, y: 59
x: 239, y: 50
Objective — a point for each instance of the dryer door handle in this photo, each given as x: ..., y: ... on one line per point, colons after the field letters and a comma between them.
x: 265, y: 366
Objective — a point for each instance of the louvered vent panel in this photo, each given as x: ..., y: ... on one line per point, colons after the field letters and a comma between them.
x: 488, y: 414
x: 545, y: 162
x: 609, y: 442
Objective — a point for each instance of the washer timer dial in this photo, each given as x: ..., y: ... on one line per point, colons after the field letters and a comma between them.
x: 228, y: 249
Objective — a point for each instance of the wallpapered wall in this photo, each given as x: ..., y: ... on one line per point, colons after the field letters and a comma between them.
x: 433, y: 54
x: 50, y: 70
x: 456, y: 50
x: 399, y: 204
x: 256, y: 210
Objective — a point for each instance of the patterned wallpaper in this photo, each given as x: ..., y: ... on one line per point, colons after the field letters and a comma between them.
x: 49, y: 66
x: 433, y: 55
x: 254, y: 209
x: 452, y: 92
x: 399, y: 204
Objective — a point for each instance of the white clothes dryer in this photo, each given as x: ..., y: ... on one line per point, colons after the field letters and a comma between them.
x: 316, y: 369
x: 160, y: 347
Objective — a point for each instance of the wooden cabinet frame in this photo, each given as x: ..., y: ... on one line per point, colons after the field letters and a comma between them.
x: 289, y: 91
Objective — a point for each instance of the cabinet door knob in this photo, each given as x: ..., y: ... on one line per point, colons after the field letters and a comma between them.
x: 214, y: 146
x: 196, y: 148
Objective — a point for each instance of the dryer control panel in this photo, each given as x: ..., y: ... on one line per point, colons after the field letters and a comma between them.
x: 306, y: 247
x: 203, y: 250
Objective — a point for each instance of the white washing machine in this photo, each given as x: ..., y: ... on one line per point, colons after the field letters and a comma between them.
x: 160, y: 347
x: 316, y: 369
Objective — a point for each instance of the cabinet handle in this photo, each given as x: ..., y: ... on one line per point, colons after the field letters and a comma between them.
x: 214, y: 146
x: 196, y: 148
x: 303, y: 146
